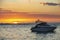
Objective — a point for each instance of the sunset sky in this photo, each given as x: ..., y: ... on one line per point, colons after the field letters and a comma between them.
x: 29, y: 11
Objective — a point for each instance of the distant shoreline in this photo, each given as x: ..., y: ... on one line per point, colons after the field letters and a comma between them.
x: 16, y: 23
x: 24, y: 23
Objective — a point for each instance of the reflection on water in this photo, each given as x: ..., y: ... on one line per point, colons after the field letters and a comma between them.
x: 23, y: 32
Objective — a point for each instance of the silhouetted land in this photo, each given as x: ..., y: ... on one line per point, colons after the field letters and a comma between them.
x: 16, y: 23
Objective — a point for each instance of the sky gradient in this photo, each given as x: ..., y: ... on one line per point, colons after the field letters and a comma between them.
x: 28, y: 11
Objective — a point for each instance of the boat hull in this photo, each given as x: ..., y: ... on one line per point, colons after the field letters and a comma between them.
x: 43, y: 29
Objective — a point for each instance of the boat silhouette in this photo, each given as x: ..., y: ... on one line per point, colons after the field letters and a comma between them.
x: 43, y: 27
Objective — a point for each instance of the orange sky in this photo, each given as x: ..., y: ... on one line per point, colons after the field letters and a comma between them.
x: 9, y: 16
x: 28, y: 11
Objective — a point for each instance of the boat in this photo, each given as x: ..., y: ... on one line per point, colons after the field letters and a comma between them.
x: 43, y: 27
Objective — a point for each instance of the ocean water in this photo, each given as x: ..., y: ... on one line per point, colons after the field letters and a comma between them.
x: 23, y: 32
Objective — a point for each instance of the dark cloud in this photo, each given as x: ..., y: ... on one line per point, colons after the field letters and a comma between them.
x: 52, y: 4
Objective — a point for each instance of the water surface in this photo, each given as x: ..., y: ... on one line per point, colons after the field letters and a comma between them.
x: 23, y: 32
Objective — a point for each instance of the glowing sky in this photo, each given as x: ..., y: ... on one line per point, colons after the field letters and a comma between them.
x: 33, y: 8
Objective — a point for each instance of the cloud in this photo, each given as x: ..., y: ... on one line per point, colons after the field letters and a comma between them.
x: 50, y: 4
x: 45, y: 15
x: 10, y: 14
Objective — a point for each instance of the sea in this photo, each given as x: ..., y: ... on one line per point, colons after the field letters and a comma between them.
x: 23, y: 32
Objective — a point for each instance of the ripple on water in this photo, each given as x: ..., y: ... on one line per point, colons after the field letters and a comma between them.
x: 21, y: 32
